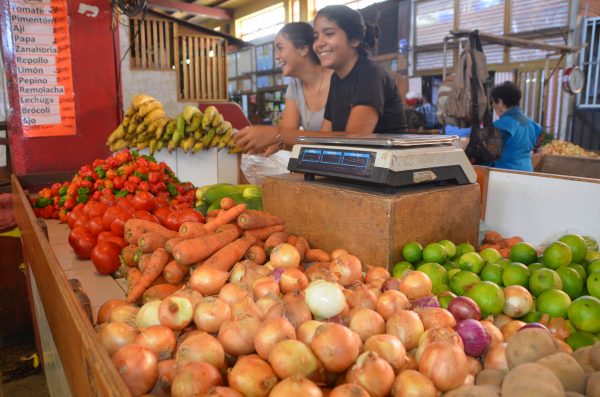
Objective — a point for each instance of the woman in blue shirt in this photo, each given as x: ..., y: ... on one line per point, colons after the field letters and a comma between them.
x: 519, y: 132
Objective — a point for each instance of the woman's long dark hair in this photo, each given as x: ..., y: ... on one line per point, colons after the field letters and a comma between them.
x: 301, y: 34
x: 351, y: 22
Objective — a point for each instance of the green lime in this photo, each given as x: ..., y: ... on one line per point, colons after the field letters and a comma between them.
x: 591, y: 256
x: 554, y: 303
x: 492, y: 272
x: 584, y: 314
x: 523, y: 252
x: 440, y: 288
x: 490, y: 255
x: 489, y: 297
x: 504, y: 262
x: 400, y: 267
x: 471, y: 261
x: 580, y: 339
x: 450, y: 248
x: 436, y: 273
x: 532, y: 317
x: 462, y: 281
x: 591, y: 244
x: 593, y: 284
x: 544, y: 279
x: 572, y: 281
x: 557, y: 254
x: 593, y: 267
x: 463, y: 248
x: 534, y: 267
x: 435, y: 252
x: 449, y: 265
x: 580, y: 269
x: 412, y: 252
x: 516, y: 274
x: 445, y: 297
x: 577, y: 245
x: 452, y: 272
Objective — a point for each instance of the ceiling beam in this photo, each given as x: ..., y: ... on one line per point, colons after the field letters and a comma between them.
x: 192, y: 8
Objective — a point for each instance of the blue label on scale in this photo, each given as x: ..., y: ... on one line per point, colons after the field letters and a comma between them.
x: 337, y: 161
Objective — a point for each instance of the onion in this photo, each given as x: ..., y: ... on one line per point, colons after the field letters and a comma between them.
x: 390, y: 302
x: 389, y: 348
x: 415, y: 285
x: 234, y: 292
x: 376, y: 273
x: 373, y: 373
x: 407, y: 326
x: 264, y: 286
x: 123, y: 313
x: 362, y: 297
x: 494, y: 332
x: 474, y: 365
x: 105, y: 309
x: 246, y: 307
x: 292, y: 279
x: 435, y: 317
x: 411, y: 383
x: 194, y: 379
x: 496, y: 357
x: 276, y: 273
x: 517, y: 301
x: 115, y: 335
x: 349, y: 390
x: 270, y: 332
x: 558, y: 327
x: 210, y: 313
x: 296, y: 385
x: 237, y: 335
x: 427, y: 301
x: 159, y: 339
x: 335, y: 346
x: 391, y: 283
x: 306, y: 331
x: 222, y: 391
x: 463, y: 307
x: 445, y: 364
x: 534, y: 325
x: 295, y: 310
x: 511, y: 328
x: 376, y: 286
x: 346, y: 268
x: 191, y: 294
x: 252, y: 376
x: 411, y: 361
x: 501, y: 319
x: 324, y: 299
x: 442, y: 334
x: 175, y: 312
x: 201, y: 347
x: 337, y: 252
x: 138, y: 368
x: 285, y: 255
x: 266, y: 302
x: 475, y: 337
x: 254, y: 272
x: 366, y: 323
x: 320, y: 271
x: 208, y: 280
x: 292, y: 357
x: 167, y: 370
x: 147, y: 316
x: 237, y: 272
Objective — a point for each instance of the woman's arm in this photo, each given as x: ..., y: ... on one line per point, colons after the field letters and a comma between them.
x: 362, y: 120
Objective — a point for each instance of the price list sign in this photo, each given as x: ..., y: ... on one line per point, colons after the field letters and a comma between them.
x: 43, y: 67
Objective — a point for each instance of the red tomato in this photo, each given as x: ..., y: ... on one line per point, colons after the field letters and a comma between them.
x: 73, y: 215
x: 172, y: 221
x: 76, y: 234
x: 94, y: 208
x: 110, y: 215
x: 126, y: 204
x: 108, y: 198
x: 117, y: 227
x: 145, y: 215
x: 191, y: 215
x: 105, y: 257
x: 161, y: 213
x: 161, y: 201
x: 84, y: 245
x: 80, y: 220
x: 143, y: 201
x: 95, y: 226
x: 108, y: 236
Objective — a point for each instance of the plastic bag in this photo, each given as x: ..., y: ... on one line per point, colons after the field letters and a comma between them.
x: 256, y: 167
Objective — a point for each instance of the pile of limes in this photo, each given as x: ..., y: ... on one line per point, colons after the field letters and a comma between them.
x: 563, y: 279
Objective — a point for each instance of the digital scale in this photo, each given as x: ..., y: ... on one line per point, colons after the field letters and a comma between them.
x: 386, y: 160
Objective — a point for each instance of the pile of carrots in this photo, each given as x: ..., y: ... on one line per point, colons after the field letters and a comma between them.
x: 493, y: 239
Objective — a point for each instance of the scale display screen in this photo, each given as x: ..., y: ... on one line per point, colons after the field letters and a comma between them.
x: 337, y: 161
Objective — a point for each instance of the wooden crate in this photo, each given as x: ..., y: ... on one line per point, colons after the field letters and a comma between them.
x: 368, y: 223
x: 585, y: 167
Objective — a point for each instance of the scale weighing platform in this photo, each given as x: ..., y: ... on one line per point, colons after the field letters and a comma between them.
x: 387, y: 160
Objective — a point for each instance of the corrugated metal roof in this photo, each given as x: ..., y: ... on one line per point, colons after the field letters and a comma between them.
x: 485, y: 15
x: 528, y: 15
x: 434, y: 19
x: 520, y: 54
x: 433, y: 60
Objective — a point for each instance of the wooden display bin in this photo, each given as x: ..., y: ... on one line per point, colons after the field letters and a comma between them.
x: 586, y: 167
x: 369, y: 223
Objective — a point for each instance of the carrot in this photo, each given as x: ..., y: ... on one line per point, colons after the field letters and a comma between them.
x: 199, y: 248
x: 292, y: 238
x: 229, y: 226
x: 152, y: 270
x: 134, y: 228
x: 274, y: 240
x: 227, y: 203
x: 492, y: 237
x: 174, y: 273
x: 132, y: 234
x: 256, y: 219
x: 214, y: 213
x: 316, y: 255
x: 133, y: 275
x: 210, y: 219
x: 151, y: 241
x: 143, y: 261
x: 192, y: 229
x: 513, y: 240
x: 302, y: 246
x: 264, y: 232
x: 505, y: 252
x: 256, y: 254
x: 229, y: 255
x: 225, y: 217
x: 159, y: 292
x: 170, y: 244
x: 128, y: 255
x: 159, y: 280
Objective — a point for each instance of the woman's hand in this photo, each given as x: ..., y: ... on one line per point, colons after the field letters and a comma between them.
x: 257, y: 139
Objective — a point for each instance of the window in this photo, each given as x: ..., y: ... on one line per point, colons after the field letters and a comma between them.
x: 529, y: 15
x: 354, y: 4
x: 485, y: 15
x: 263, y: 23
x: 589, y: 63
x: 151, y: 43
x: 434, y: 19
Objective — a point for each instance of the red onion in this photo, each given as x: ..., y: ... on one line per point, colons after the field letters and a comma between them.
x: 428, y: 301
x: 463, y: 307
x: 475, y: 337
x: 276, y: 273
x: 391, y: 283
x: 534, y: 325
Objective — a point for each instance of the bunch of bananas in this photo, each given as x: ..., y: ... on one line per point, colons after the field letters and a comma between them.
x: 145, y: 125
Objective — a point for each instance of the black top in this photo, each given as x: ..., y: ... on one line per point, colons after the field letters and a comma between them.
x: 366, y: 84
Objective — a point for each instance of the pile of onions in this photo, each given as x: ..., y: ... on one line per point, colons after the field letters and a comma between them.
x: 234, y: 292
x: 362, y: 297
x: 411, y: 383
x: 194, y: 379
x: 115, y: 335
x: 237, y: 335
x: 445, y: 364
x: 373, y: 373
x: 147, y: 316
x: 349, y: 390
x: 210, y: 313
x: 191, y: 294
x: 208, y: 280
x: 105, y: 309
x: 463, y: 307
x: 296, y: 385
x: 167, y: 370
x: 335, y: 346
x: 390, y: 302
x: 376, y: 273
x: 415, y: 285
x: 366, y: 323
x: 252, y: 376
x: 285, y: 256
x: 292, y: 279
x: 306, y: 331
x: 270, y: 332
x: 158, y: 339
x: 138, y: 368
x: 175, y: 312
x: 346, y: 268
x: 496, y: 357
x: 222, y: 391
x: 407, y: 326
x: 201, y: 347
x: 428, y: 301
x: 442, y: 334
x: 324, y: 299
x: 494, y: 332
x: 124, y: 313
x: 295, y: 310
x: 475, y: 337
x: 435, y: 317
x: 517, y: 301
x: 511, y: 328
x: 391, y: 283
x: 264, y: 286
x: 289, y: 357
x: 389, y: 348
